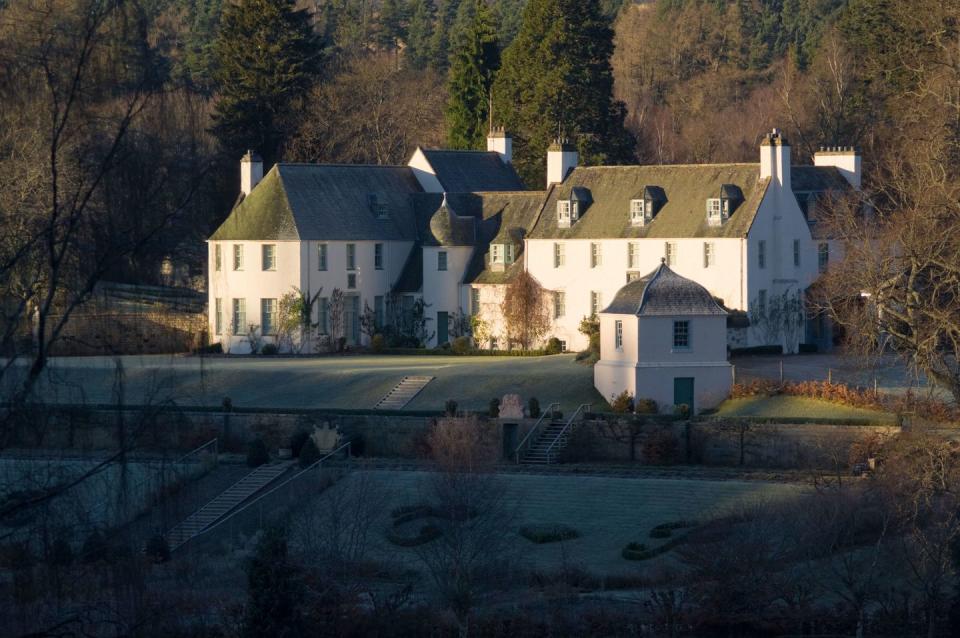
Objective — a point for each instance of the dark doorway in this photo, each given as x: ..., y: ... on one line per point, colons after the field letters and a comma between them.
x: 683, y: 392
x: 509, y: 440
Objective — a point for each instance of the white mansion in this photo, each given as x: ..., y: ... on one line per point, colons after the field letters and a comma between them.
x: 452, y: 228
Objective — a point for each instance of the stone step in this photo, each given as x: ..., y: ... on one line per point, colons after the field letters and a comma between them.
x: 404, y: 392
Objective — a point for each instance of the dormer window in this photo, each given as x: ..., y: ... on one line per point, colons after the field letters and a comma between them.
x: 719, y: 209
x: 715, y: 216
x: 377, y: 207
x: 501, y: 254
x: 563, y: 213
x: 644, y: 206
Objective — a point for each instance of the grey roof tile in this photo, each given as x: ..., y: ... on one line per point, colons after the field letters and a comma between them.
x: 664, y: 293
x: 472, y: 171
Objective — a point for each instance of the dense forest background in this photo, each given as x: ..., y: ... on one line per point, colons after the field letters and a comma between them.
x: 177, y: 90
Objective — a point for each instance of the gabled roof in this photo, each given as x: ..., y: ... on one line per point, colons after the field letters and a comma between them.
x: 325, y: 202
x: 664, y: 293
x: 472, y: 171
x: 817, y: 179
x: 683, y: 214
x: 505, y: 218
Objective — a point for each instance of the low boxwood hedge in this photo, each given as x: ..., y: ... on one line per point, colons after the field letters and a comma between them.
x: 551, y: 533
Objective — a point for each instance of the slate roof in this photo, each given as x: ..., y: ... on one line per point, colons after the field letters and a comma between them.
x: 683, y: 214
x: 505, y: 218
x: 325, y: 201
x: 448, y: 227
x: 807, y: 179
x: 664, y: 293
x: 472, y: 171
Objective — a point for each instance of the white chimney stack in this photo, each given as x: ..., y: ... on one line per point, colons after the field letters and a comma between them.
x: 500, y: 143
x: 775, y: 158
x: 845, y: 158
x: 562, y: 157
x: 251, y: 171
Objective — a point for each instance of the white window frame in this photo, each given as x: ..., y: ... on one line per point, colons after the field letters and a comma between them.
x: 218, y: 316
x: 351, y: 256
x: 508, y: 253
x: 633, y: 254
x: 321, y: 256
x: 596, y: 254
x: 559, y: 304
x: 238, y: 319
x: 796, y: 253
x: 268, y: 264
x: 496, y: 253
x: 670, y: 252
x: 378, y: 256
x: 596, y: 303
x: 618, y: 335
x: 714, y: 211
x: 441, y: 260
x: 762, y: 254
x: 681, y: 329
x: 238, y: 256
x: 709, y: 254
x: 564, y: 213
x: 217, y: 259
x: 268, y: 316
x: 638, y: 212
x: 559, y: 255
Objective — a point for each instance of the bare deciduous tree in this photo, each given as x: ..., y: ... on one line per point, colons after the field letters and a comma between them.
x: 526, y: 312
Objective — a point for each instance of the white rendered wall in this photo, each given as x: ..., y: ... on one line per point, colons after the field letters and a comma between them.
x: 491, y: 299
x: 370, y: 281
x: 252, y: 284
x: 577, y: 279
x: 424, y: 172
x: 442, y: 290
x: 849, y: 163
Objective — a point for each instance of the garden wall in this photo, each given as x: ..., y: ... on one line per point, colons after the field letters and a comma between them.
x: 711, y: 442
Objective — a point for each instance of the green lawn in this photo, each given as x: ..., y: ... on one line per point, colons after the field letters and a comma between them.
x: 338, y: 382
x: 796, y: 407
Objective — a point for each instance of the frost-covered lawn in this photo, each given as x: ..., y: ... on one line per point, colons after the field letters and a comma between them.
x: 343, y: 382
x: 607, y: 512
x: 797, y: 407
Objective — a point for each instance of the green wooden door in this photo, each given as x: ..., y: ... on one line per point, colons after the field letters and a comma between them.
x: 442, y: 328
x: 683, y: 392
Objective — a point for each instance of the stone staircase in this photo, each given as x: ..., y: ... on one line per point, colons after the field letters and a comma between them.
x: 225, y: 502
x: 537, y: 452
x: 403, y: 393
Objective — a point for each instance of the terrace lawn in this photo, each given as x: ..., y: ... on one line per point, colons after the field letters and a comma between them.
x: 333, y: 382
x: 781, y: 406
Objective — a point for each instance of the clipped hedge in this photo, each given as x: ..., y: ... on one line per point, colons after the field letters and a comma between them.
x: 640, y: 551
x: 551, y: 533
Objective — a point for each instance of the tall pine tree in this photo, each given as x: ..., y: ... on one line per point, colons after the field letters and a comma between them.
x: 266, y: 56
x: 474, y: 61
x: 440, y: 41
x: 419, y: 33
x: 556, y: 77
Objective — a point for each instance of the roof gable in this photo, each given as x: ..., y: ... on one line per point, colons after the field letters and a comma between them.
x: 664, y: 293
x: 472, y: 171
x: 326, y: 202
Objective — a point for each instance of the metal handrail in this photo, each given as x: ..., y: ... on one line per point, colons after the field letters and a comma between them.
x: 551, y: 409
x: 583, y: 408
x: 311, y: 467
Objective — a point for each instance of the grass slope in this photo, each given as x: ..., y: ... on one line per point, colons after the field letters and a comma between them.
x: 796, y: 407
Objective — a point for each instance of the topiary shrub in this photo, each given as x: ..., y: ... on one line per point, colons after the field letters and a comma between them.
x: 533, y: 407
x: 378, y: 343
x: 494, y: 408
x: 297, y: 440
x: 551, y: 533
x: 450, y: 408
x: 553, y: 346
x: 157, y: 549
x: 645, y: 406
x: 461, y: 345
x: 269, y: 349
x: 257, y: 453
x: 309, y: 453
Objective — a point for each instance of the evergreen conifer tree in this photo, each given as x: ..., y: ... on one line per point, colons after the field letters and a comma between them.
x: 440, y: 40
x: 392, y: 19
x: 556, y: 78
x: 274, y: 590
x: 419, y: 33
x: 266, y: 55
x: 473, y: 63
